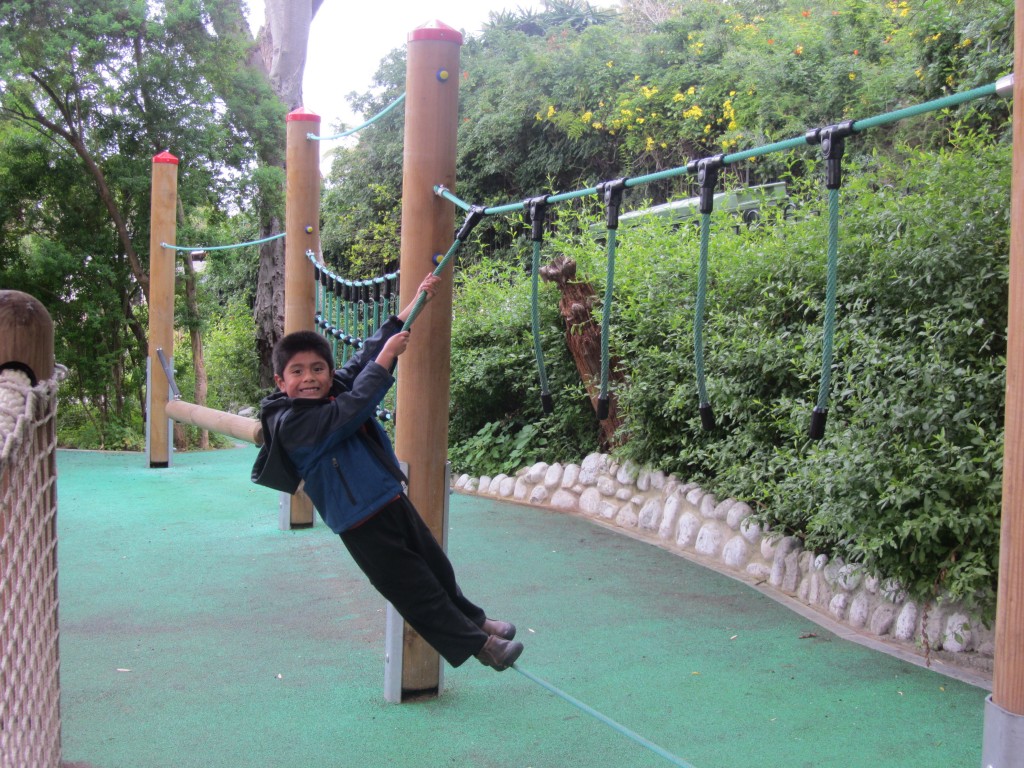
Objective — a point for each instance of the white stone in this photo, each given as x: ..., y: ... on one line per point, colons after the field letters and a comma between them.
x: 933, y: 624
x: 689, y: 526
x: 738, y: 512
x: 627, y: 517
x: 563, y: 499
x: 471, y: 485
x: 736, y: 553
x: 893, y: 591
x: 484, y: 483
x: 806, y: 561
x: 768, y: 547
x: 882, y: 619
x: 606, y: 486
x: 804, y: 590
x: 708, y: 505
x: 650, y: 515
x: 906, y: 622
x: 507, y: 487
x: 860, y: 610
x: 607, y: 510
x: 825, y: 593
x: 658, y: 480
x: 627, y: 473
x: 591, y: 468
x: 957, y: 636
x: 850, y: 576
x: 751, y: 531
x: 871, y: 584
x: 553, y: 477
x: 590, y: 501
x: 694, y: 495
x: 820, y: 562
x: 461, y: 482
x: 522, y: 489
x: 571, y: 475
x: 721, y: 510
x: 539, y: 495
x: 838, y: 605
x: 624, y: 494
x: 536, y: 473
x: 495, y: 486
x: 832, y: 572
x: 759, y: 571
x: 643, y: 481
x: 792, y: 574
x: 709, y: 539
x: 668, y: 518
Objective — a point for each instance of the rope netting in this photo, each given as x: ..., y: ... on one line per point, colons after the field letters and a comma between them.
x: 29, y: 657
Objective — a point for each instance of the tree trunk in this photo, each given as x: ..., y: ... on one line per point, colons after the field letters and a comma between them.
x: 583, y: 337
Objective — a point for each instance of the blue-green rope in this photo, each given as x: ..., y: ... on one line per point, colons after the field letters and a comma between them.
x: 367, y: 124
x: 830, y: 300
x: 535, y: 321
x: 606, y: 313
x: 422, y: 298
x: 220, y: 247
x: 660, y: 751
x: 698, y: 320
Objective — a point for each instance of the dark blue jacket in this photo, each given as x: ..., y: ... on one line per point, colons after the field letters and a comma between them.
x: 336, y: 444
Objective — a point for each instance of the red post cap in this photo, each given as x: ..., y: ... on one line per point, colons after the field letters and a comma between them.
x: 436, y: 30
x: 165, y: 157
x: 302, y: 114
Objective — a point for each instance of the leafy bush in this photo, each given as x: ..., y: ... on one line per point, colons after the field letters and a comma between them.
x: 907, y: 478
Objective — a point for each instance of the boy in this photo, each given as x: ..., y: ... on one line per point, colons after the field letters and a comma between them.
x: 320, y: 427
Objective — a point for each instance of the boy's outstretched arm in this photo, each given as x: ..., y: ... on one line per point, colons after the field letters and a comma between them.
x: 428, y: 286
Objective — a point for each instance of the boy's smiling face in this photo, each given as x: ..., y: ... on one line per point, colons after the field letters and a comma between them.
x: 307, y: 375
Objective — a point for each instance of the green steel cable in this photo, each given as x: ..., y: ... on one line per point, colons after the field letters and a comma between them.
x: 660, y: 751
x: 798, y: 141
x: 367, y: 124
x: 220, y: 247
x: 698, y: 320
x: 830, y: 299
x: 606, y: 313
x: 542, y: 375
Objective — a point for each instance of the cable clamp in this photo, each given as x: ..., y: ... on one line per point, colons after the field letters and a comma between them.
x: 475, y: 215
x: 706, y: 169
x: 537, y: 209
x: 611, y: 194
x: 832, y: 140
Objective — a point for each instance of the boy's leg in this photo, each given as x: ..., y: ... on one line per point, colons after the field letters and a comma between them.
x: 404, y: 562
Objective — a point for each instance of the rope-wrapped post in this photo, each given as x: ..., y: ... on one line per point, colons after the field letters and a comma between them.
x: 421, y: 424
x: 162, y: 229
x: 29, y: 653
x: 302, y: 223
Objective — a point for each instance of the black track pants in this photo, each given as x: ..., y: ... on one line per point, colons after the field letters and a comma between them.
x: 404, y: 562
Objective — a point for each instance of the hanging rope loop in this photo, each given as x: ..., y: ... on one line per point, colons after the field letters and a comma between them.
x: 537, y: 209
x: 610, y: 193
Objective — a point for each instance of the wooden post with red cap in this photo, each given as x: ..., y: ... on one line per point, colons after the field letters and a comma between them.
x: 302, y: 228
x: 162, y: 229
x: 428, y: 225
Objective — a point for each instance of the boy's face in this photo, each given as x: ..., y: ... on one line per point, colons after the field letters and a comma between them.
x: 307, y: 375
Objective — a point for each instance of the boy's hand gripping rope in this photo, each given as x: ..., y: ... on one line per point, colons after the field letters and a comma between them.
x: 611, y: 193
x: 475, y: 215
x: 537, y: 209
x: 832, y: 140
x: 707, y: 176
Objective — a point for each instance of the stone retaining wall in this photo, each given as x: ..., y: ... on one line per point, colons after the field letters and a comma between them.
x: 683, y: 518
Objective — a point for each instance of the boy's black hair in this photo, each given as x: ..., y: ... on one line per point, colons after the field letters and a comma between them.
x: 289, y: 346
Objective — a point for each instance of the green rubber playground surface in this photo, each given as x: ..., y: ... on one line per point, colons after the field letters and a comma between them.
x: 194, y: 632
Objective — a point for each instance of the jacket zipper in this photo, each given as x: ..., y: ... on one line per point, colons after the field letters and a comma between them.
x: 344, y: 482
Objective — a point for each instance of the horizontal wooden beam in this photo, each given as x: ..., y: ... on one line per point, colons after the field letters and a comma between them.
x: 249, y: 430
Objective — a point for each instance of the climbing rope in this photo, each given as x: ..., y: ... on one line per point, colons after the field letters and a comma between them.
x: 603, y: 718
x: 367, y: 124
x: 536, y: 209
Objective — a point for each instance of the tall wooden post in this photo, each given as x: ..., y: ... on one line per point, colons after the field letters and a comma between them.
x: 1004, y: 710
x: 162, y: 229
x: 302, y: 225
x: 428, y: 226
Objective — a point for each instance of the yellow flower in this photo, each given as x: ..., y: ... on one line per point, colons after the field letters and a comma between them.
x: 678, y: 97
x: 586, y: 116
x: 853, y: 75
x: 551, y: 110
x: 693, y: 112
x: 707, y: 128
x: 650, y: 144
x: 691, y: 90
x: 609, y: 64
x: 597, y: 126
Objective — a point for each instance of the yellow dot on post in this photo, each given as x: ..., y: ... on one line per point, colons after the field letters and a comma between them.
x: 443, y: 75
x: 309, y: 229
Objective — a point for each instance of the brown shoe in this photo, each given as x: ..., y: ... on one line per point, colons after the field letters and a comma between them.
x: 498, y: 653
x: 502, y: 629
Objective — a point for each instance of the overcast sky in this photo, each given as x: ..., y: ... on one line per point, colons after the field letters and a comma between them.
x: 349, y: 39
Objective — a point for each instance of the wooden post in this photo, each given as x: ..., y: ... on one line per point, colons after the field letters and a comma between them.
x: 1004, y: 709
x: 162, y: 229
x: 27, y: 339
x: 302, y: 225
x: 428, y: 224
